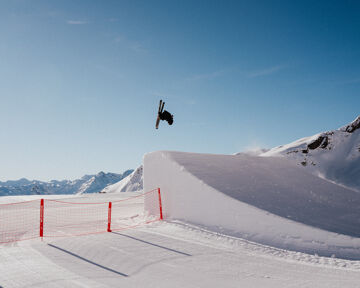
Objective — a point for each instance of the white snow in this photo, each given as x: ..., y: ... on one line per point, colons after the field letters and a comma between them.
x: 337, y: 161
x: 133, y: 182
x: 230, y: 221
x: 165, y: 254
x: 86, y: 185
x: 22, y: 198
x: 263, y: 199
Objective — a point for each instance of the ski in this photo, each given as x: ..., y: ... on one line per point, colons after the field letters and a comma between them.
x: 161, y: 106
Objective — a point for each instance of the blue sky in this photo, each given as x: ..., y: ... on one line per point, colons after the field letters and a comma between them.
x: 80, y: 81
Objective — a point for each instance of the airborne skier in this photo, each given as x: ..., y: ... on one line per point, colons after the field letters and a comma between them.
x: 163, y: 115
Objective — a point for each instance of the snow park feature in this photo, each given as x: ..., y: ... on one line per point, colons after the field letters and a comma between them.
x: 184, y: 250
x: 268, y: 200
x: 240, y: 220
x: 76, y: 217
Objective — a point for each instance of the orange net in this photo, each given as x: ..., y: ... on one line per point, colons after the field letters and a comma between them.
x: 19, y: 221
x: 55, y: 218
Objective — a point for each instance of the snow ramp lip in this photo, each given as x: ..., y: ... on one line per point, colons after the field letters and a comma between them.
x: 277, y: 186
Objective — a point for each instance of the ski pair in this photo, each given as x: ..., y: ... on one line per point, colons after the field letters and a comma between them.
x: 161, y: 109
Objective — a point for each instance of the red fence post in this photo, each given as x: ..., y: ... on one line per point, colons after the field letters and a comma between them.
x: 109, y: 218
x: 160, y: 205
x: 42, y: 218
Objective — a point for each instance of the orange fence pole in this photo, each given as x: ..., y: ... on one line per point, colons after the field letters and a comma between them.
x: 160, y: 205
x: 42, y: 218
x: 109, y: 218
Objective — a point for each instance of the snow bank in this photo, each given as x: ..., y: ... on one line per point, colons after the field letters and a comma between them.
x: 263, y: 199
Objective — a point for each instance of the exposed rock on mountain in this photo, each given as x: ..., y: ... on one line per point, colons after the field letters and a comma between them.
x: 333, y: 155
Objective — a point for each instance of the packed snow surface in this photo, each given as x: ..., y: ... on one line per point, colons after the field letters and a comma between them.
x: 269, y: 200
x: 164, y: 254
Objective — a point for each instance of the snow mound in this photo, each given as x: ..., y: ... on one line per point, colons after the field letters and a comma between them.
x: 268, y: 200
x: 333, y: 155
x: 133, y: 182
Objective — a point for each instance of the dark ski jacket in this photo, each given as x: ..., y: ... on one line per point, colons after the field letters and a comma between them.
x: 167, y: 117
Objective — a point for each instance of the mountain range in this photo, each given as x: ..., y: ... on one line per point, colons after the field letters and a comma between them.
x: 86, y: 184
x: 332, y: 155
x: 133, y: 182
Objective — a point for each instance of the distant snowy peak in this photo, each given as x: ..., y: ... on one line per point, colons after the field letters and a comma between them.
x: 355, y: 125
x: 20, y: 182
x: 86, y: 184
x: 133, y: 182
x: 334, y: 155
x: 97, y: 182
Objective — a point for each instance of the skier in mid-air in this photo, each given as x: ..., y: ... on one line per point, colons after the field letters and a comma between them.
x: 163, y: 115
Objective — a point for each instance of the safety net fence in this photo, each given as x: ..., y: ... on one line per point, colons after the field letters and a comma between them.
x: 57, y: 218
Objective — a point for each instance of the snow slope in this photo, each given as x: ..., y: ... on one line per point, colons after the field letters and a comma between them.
x: 268, y: 200
x: 334, y: 155
x: 133, y: 182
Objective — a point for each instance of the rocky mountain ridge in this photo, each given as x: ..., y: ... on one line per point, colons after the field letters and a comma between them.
x: 333, y: 155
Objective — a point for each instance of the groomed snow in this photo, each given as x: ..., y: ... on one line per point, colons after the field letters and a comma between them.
x: 207, y: 200
x: 263, y: 199
x: 164, y: 254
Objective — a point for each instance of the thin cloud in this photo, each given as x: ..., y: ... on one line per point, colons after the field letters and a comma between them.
x: 266, y: 71
x: 76, y: 22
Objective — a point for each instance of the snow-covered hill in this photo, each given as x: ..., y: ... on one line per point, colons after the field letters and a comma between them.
x: 334, y: 155
x: 133, y: 182
x: 268, y: 200
x: 86, y: 184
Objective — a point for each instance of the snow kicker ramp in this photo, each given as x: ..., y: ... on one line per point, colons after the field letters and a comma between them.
x: 263, y: 199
